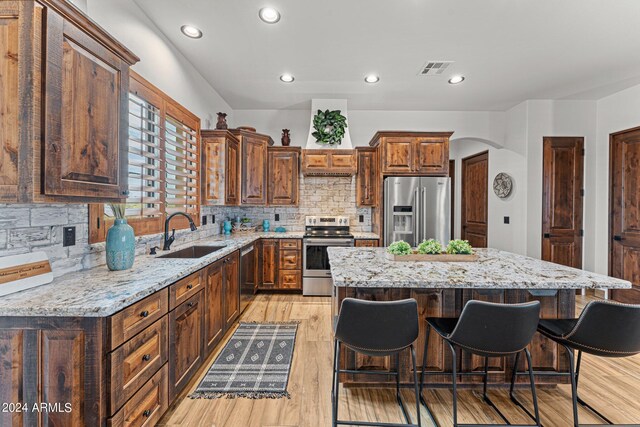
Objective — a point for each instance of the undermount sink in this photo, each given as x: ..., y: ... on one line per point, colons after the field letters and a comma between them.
x: 193, y: 252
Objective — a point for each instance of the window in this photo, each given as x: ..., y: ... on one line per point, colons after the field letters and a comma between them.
x: 163, y: 167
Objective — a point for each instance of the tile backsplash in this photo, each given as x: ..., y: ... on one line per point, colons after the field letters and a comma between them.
x: 37, y: 227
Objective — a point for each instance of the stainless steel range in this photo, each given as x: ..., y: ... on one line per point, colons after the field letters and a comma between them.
x: 321, y: 232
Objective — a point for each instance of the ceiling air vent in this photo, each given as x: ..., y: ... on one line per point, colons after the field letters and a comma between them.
x: 434, y: 68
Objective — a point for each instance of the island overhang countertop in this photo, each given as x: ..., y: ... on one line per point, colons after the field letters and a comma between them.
x: 495, y: 269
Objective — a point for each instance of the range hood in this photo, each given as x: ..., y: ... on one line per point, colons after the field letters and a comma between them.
x: 322, y: 160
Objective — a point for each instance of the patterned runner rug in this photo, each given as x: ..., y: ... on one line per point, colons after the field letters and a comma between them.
x: 255, y: 363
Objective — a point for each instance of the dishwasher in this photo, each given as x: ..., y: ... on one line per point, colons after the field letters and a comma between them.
x: 248, y: 275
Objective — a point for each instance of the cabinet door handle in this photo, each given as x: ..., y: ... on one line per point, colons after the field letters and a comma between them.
x: 190, y: 304
x: 617, y: 238
x: 144, y: 314
x: 189, y: 286
x: 146, y: 413
x: 146, y: 357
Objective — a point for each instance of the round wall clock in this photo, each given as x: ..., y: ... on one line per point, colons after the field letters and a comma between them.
x: 502, y: 185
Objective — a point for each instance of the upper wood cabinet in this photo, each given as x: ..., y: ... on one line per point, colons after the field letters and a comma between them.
x: 328, y: 162
x: 63, y: 105
x: 220, y: 168
x: 413, y: 153
x: 367, y: 177
x: 284, y: 176
x: 253, y: 166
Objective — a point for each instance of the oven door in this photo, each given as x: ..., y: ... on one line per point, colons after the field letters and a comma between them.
x: 315, y: 257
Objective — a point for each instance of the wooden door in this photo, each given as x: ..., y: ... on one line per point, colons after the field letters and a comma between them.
x: 232, y: 159
x: 269, y: 263
x: 254, y: 170
x: 9, y: 100
x: 214, y: 306
x: 624, y: 257
x: 397, y: 155
x: 85, y: 105
x: 474, y: 206
x: 231, y: 289
x: 367, y: 178
x: 284, y: 171
x: 432, y: 156
x: 562, y: 190
x: 186, y: 346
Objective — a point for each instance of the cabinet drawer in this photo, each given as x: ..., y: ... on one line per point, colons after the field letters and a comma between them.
x: 132, y: 320
x: 289, y: 259
x: 184, y: 289
x: 290, y: 244
x: 134, y: 363
x: 290, y: 279
x: 147, y: 406
x: 371, y: 243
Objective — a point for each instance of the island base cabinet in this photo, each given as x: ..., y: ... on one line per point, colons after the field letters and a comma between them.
x: 186, y: 343
x: 546, y: 355
x: 51, y: 369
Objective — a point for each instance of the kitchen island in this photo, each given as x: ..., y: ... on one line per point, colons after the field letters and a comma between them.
x: 441, y: 290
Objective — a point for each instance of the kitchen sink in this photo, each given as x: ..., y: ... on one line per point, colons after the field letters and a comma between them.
x: 193, y: 252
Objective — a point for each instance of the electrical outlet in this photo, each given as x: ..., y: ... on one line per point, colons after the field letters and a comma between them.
x: 361, y: 218
x: 213, y: 219
x: 277, y: 217
x: 506, y: 220
x: 68, y: 236
x: 204, y: 220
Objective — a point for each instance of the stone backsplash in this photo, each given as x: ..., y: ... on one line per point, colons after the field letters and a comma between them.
x: 36, y: 227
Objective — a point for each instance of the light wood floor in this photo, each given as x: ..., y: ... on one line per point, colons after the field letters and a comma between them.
x: 612, y: 385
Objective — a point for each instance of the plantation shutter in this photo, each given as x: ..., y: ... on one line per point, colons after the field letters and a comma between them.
x: 182, y: 165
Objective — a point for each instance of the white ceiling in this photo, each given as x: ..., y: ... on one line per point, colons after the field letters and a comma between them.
x: 509, y: 50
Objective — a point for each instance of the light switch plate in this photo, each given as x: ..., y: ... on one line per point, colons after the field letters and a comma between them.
x: 68, y: 236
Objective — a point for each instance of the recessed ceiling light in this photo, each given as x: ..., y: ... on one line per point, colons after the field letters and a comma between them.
x: 456, y: 79
x: 287, y: 78
x: 372, y: 78
x: 191, y: 31
x: 269, y: 15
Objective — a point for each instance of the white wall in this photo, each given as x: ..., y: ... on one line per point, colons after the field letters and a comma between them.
x: 363, y: 124
x: 616, y: 112
x: 160, y: 62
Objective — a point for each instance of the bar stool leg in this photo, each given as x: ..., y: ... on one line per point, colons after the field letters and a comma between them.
x: 336, y: 367
x: 422, y: 375
x: 533, y: 387
x: 453, y: 382
x: 574, y: 388
x: 582, y: 402
x: 415, y: 384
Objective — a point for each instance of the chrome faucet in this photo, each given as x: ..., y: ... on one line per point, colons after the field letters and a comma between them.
x: 168, y: 240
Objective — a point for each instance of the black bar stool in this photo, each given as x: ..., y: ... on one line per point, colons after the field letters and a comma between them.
x: 489, y: 330
x: 374, y: 328
x: 605, y: 328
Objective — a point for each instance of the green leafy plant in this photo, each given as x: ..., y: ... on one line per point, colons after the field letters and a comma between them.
x: 118, y: 210
x: 245, y: 220
x: 459, y: 247
x: 400, y: 248
x: 431, y: 247
x: 329, y: 127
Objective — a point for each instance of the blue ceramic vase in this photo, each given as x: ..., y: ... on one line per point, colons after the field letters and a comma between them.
x: 266, y: 225
x: 227, y: 227
x: 120, y: 246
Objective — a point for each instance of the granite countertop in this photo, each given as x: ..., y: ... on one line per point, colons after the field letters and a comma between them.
x: 98, y: 292
x: 369, y: 268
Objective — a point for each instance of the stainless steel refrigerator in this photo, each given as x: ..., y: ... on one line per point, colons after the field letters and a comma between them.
x: 417, y: 208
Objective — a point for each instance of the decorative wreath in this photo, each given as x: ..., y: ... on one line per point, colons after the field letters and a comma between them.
x: 329, y: 127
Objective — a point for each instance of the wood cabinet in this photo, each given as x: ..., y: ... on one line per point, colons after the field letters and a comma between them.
x: 231, y: 273
x: 186, y: 344
x: 284, y: 176
x: 213, y: 278
x: 367, y: 243
x: 220, y: 168
x: 413, y: 153
x: 253, y: 166
x: 328, y: 162
x: 367, y: 177
x: 63, y: 106
x: 147, y: 406
x: 268, y: 264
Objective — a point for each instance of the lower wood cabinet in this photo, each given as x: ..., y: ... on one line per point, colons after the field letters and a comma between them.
x: 268, y: 264
x: 370, y: 243
x: 214, y: 305
x: 280, y: 264
x: 231, y: 272
x: 186, y: 344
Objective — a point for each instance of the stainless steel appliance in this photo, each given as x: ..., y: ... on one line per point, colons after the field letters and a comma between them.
x: 321, y: 232
x: 417, y: 208
x: 248, y: 275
